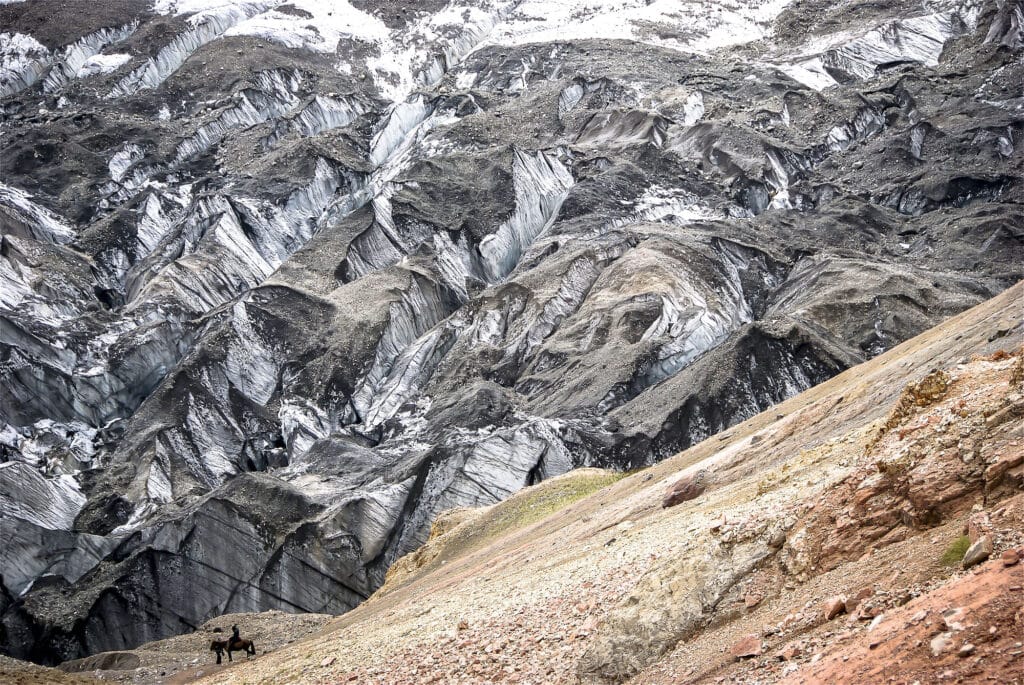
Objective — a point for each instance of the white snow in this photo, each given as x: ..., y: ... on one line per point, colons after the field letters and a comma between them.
x: 697, y: 26
x: 330, y: 22
x: 102, y: 64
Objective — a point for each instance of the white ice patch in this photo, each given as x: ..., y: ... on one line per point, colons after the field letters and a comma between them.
x: 50, y: 503
x: 660, y: 204
x: 329, y: 23
x: 541, y: 183
x: 103, y: 64
x: 82, y: 57
x: 302, y: 424
x: 693, y: 108
x: 693, y: 26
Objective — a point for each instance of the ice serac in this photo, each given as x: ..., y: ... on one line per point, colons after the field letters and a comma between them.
x: 203, y: 27
x: 74, y: 61
x: 22, y: 216
x: 541, y: 185
x: 23, y: 61
x: 282, y: 281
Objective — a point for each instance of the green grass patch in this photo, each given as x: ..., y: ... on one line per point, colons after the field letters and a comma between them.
x: 954, y: 554
x: 532, y: 505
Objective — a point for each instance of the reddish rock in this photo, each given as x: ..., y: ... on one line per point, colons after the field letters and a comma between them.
x: 791, y: 651
x: 751, y: 600
x: 853, y: 602
x: 688, y: 487
x: 747, y: 647
x: 978, y: 525
x: 463, y: 624
x: 834, y: 607
x: 1010, y: 557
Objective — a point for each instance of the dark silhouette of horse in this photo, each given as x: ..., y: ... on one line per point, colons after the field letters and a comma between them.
x: 221, y: 646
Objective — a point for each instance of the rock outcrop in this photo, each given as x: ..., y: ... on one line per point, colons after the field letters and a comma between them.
x: 281, y: 282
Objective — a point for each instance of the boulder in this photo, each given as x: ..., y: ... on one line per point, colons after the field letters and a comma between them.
x: 690, y: 486
x: 748, y: 646
x: 834, y: 607
x: 978, y: 552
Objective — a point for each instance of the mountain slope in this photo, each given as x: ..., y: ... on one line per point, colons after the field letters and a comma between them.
x: 847, y: 486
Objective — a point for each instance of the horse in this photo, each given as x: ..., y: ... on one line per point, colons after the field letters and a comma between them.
x: 221, y: 646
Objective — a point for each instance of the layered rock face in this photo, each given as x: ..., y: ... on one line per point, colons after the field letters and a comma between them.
x: 280, y: 282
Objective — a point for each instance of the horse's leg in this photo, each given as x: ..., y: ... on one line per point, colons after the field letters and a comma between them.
x: 229, y: 654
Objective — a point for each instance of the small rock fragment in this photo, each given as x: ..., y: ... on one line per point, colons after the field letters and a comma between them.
x: 966, y: 650
x: 952, y: 618
x: 853, y: 602
x: 834, y: 607
x: 790, y: 651
x: 978, y: 525
x: 747, y: 647
x: 1010, y: 557
x: 941, y: 643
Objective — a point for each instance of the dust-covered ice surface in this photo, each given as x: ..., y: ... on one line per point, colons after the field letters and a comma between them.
x: 280, y: 281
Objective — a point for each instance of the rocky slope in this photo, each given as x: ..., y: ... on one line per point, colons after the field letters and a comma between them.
x: 867, y: 530
x: 281, y: 282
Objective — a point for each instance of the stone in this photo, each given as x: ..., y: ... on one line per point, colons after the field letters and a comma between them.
x: 953, y: 618
x: 978, y: 552
x: 941, y: 643
x: 686, y: 488
x: 329, y: 660
x: 1010, y: 557
x: 978, y: 525
x: 790, y: 651
x: 854, y: 601
x: 834, y: 607
x: 966, y: 650
x: 751, y: 600
x: 748, y: 646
